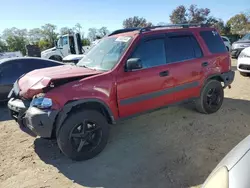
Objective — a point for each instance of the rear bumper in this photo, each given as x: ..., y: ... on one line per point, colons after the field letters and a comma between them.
x: 33, y: 121
x: 228, y: 77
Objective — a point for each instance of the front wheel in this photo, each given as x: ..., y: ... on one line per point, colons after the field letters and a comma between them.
x: 83, y: 135
x: 211, y: 97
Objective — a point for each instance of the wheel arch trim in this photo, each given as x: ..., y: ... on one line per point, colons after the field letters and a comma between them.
x: 62, y: 115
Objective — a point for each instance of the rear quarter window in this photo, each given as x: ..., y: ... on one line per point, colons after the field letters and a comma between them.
x: 213, y: 41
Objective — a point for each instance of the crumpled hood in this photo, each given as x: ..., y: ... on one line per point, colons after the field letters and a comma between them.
x: 35, y: 81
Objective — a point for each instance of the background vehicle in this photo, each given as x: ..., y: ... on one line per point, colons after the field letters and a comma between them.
x: 66, y: 44
x: 73, y: 58
x: 124, y: 75
x: 243, y: 64
x: 240, y: 45
x: 227, y: 43
x: 10, y: 54
x: 232, y: 171
x: 11, y: 69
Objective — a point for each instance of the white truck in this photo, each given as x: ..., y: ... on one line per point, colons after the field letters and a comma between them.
x: 74, y: 58
x: 64, y: 46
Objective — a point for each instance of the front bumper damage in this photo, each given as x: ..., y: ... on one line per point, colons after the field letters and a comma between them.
x: 33, y: 121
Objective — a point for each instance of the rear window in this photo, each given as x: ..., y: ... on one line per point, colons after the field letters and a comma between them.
x: 213, y: 41
x: 181, y: 48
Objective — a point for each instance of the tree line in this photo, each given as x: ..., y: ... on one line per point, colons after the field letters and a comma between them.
x: 238, y: 24
x: 14, y: 39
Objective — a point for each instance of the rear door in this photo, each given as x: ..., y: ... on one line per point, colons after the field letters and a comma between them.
x: 146, y: 88
x: 185, y: 56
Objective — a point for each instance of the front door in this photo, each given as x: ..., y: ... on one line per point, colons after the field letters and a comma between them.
x: 146, y: 88
x: 65, y: 46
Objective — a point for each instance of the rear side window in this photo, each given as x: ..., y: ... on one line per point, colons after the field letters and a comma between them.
x: 151, y: 53
x: 213, y: 41
x: 182, y: 47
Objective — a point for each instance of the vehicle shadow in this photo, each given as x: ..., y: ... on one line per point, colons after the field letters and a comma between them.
x: 173, y: 147
x: 4, y: 115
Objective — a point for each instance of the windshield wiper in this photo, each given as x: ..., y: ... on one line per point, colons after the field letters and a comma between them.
x: 86, y: 67
x: 83, y: 66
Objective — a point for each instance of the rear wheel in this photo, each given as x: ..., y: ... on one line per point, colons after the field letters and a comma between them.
x: 56, y: 58
x: 83, y: 135
x: 211, y: 97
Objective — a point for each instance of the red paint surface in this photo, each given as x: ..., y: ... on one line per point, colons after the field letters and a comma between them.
x: 113, y: 86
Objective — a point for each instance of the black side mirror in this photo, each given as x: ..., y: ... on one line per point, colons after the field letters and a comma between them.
x: 133, y: 64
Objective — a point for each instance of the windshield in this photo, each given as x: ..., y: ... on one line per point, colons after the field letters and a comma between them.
x: 105, y: 54
x: 246, y: 37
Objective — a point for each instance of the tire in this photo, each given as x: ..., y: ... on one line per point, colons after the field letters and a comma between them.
x: 244, y: 74
x: 56, y: 58
x: 68, y: 140
x: 202, y: 104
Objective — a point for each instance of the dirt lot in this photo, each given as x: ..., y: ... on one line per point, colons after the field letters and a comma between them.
x: 174, y: 147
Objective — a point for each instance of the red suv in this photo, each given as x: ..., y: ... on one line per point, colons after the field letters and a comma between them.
x: 127, y: 73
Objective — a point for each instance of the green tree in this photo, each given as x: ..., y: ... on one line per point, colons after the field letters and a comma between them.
x: 16, y: 39
x: 44, y: 44
x: 35, y: 35
x: 179, y: 15
x: 85, y: 42
x: 66, y: 30
x: 16, y: 43
x: 103, y: 31
x: 93, y: 33
x: 49, y: 33
x: 198, y: 15
x: 239, y: 24
x: 193, y: 14
x: 3, y: 46
x: 136, y: 22
x: 217, y: 23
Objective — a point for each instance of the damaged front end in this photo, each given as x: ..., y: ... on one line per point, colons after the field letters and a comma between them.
x: 30, y: 106
x: 31, y: 118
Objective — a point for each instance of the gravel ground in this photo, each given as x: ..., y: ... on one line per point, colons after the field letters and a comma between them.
x: 173, y: 147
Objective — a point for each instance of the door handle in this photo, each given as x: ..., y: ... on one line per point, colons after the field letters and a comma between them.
x: 204, y: 64
x: 163, y: 73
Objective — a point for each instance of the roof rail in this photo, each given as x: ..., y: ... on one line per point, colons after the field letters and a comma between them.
x: 124, y: 30
x: 172, y: 25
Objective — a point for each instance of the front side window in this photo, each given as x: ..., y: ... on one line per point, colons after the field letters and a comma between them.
x: 65, y: 40
x: 213, y: 41
x: 151, y: 53
x: 182, y: 48
x: 105, y: 54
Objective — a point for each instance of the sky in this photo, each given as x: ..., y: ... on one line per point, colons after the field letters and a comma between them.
x: 97, y: 13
